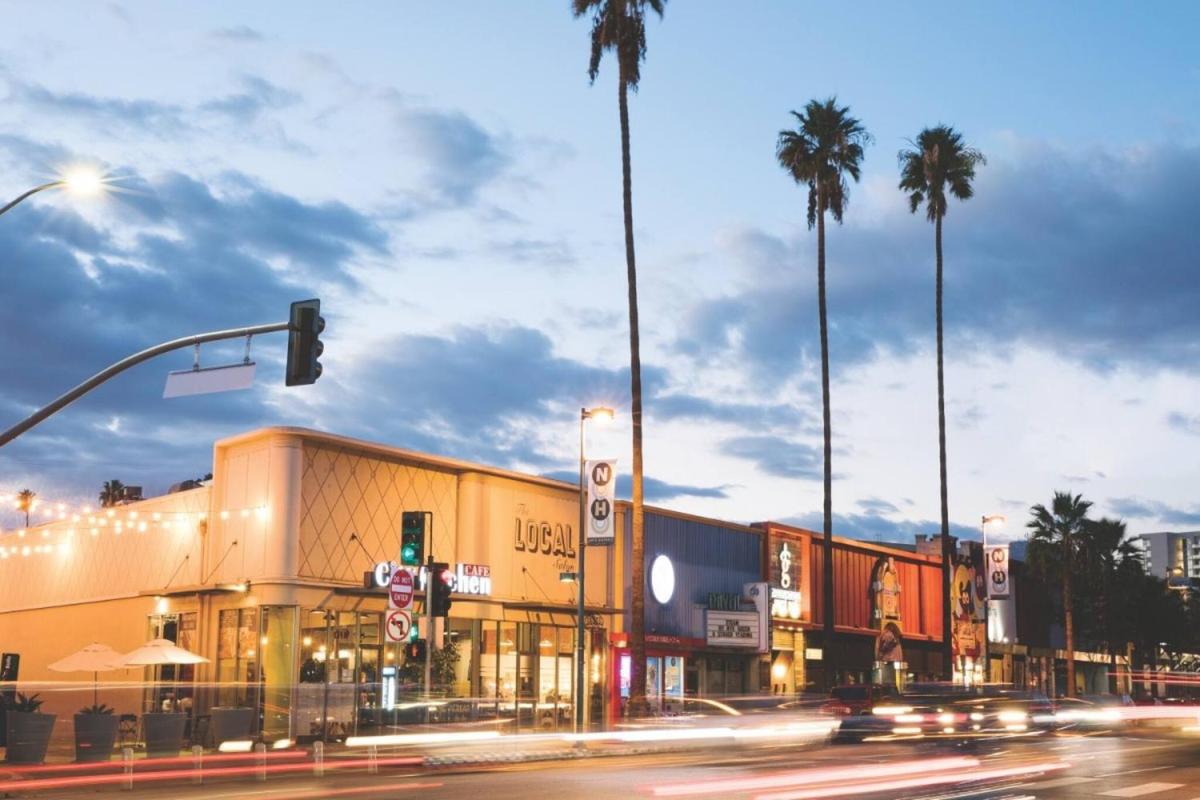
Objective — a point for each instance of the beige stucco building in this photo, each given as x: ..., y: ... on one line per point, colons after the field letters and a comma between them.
x: 267, y: 572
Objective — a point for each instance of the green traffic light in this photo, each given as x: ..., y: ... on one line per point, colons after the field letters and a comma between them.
x: 408, y: 555
x: 413, y: 633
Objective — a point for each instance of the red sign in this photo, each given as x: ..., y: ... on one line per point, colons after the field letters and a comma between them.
x: 400, y: 592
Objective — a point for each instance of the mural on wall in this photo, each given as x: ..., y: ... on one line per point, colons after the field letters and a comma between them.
x: 968, y: 588
x: 885, y: 605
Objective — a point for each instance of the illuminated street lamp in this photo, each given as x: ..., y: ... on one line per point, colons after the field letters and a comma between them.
x: 600, y: 414
x: 81, y: 181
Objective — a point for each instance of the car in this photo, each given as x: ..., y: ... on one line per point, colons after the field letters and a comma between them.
x: 1098, y: 713
x: 853, y: 705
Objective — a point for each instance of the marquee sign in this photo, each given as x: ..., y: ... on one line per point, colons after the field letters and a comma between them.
x: 732, y: 629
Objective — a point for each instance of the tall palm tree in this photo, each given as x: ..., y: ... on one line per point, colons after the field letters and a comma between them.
x: 1054, y: 539
x: 826, y: 147
x: 111, y: 492
x: 25, y: 502
x: 939, y: 162
x: 620, y: 26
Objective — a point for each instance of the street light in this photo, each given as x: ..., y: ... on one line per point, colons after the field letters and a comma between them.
x: 82, y: 181
x: 600, y: 414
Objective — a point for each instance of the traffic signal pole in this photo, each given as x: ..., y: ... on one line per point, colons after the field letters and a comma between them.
x: 132, y: 361
x: 429, y: 611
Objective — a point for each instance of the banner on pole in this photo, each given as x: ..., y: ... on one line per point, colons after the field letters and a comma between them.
x: 996, y: 567
x: 600, y: 513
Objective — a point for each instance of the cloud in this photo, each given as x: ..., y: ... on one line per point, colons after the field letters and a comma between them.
x: 555, y: 254
x: 877, y: 505
x: 1184, y: 423
x: 237, y: 34
x: 776, y: 456
x: 1089, y: 255
x: 677, y: 405
x: 181, y: 256
x: 111, y: 116
x: 655, y: 490
x: 876, y: 527
x: 1139, y: 508
x: 459, y: 156
x: 258, y: 95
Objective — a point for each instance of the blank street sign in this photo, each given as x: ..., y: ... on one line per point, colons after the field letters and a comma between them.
x: 209, y: 380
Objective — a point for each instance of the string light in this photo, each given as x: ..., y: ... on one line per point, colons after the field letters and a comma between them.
x: 57, y: 532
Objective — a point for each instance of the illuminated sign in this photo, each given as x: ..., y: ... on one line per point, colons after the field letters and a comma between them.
x: 473, y: 579
x: 786, y: 600
x: 662, y: 579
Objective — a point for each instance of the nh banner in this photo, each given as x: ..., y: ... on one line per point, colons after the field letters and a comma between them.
x: 601, y: 501
x: 996, y: 567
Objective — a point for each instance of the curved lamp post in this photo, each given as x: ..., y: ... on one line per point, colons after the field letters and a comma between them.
x: 81, y: 181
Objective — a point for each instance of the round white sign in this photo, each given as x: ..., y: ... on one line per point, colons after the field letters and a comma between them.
x: 662, y: 579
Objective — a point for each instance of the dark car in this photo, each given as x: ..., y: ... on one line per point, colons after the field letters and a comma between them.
x: 855, y: 704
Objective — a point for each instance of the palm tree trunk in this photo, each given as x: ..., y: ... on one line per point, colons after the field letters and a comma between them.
x: 637, y: 614
x: 1068, y: 622
x: 947, y: 547
x: 827, y: 568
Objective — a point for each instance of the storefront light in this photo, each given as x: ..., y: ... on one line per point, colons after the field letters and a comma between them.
x: 662, y: 579
x: 307, y: 641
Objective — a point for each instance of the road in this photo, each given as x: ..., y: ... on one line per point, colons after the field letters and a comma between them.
x: 1158, y: 767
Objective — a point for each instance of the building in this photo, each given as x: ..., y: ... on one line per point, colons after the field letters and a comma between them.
x: 888, y: 612
x: 1172, y: 555
x: 269, y: 573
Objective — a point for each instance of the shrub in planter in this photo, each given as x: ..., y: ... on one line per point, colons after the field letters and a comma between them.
x: 164, y: 733
x: 28, y: 730
x: 230, y: 723
x: 95, y: 733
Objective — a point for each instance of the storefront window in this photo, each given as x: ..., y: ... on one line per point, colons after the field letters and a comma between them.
x: 238, y: 657
x: 315, y: 647
x: 277, y: 653
x: 461, y: 635
x: 172, y: 687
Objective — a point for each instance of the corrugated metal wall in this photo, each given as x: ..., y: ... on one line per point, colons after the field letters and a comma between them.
x: 707, y: 558
x: 920, y: 583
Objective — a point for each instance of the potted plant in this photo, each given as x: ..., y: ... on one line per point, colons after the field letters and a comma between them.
x: 164, y: 732
x: 28, y: 730
x: 95, y: 733
x: 231, y: 723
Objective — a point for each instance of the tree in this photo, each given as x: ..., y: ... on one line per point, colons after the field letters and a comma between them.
x: 1054, y: 538
x: 826, y: 146
x: 26, y: 500
x: 939, y: 161
x: 111, y: 493
x: 620, y: 26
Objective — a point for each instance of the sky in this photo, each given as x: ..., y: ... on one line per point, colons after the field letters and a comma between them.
x: 446, y: 179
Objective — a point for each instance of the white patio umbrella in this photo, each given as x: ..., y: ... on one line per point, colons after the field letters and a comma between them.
x: 160, y: 651
x: 95, y: 658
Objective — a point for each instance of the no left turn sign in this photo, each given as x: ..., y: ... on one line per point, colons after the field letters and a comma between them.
x: 398, y: 624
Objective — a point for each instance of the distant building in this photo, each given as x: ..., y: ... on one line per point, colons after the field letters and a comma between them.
x: 1171, y: 554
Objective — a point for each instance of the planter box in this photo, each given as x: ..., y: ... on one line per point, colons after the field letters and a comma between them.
x: 230, y: 724
x: 28, y: 736
x: 164, y: 733
x: 95, y: 735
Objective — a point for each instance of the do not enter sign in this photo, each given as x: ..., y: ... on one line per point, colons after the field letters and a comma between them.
x: 400, y: 590
x: 398, y: 624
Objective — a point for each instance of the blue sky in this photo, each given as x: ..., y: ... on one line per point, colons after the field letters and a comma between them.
x: 444, y: 177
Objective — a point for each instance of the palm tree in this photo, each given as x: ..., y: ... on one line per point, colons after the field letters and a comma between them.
x: 1054, y: 540
x: 111, y: 493
x: 826, y: 146
x: 620, y: 26
x: 25, y: 502
x: 939, y: 161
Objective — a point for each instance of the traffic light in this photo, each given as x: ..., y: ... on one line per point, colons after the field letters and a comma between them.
x: 304, y: 345
x: 414, y: 651
x: 412, y: 538
x: 441, y: 583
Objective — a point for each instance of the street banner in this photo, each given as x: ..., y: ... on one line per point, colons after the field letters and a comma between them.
x: 996, y: 567
x: 600, y: 513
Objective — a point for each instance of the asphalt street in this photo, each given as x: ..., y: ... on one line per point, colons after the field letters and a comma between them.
x: 1159, y: 767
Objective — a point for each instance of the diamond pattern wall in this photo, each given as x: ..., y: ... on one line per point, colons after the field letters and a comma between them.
x: 344, y: 492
